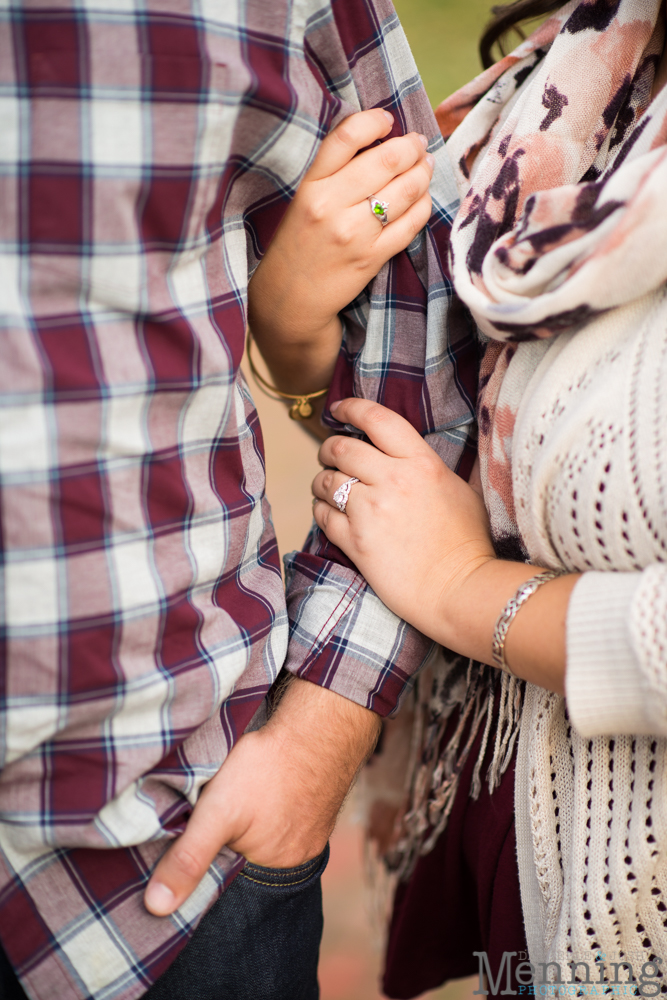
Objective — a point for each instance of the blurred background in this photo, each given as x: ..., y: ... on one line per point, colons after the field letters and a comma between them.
x: 443, y: 35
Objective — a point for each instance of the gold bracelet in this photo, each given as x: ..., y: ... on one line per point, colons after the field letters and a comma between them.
x: 301, y: 408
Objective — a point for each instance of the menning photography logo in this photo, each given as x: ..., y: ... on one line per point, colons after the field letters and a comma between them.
x: 585, y: 978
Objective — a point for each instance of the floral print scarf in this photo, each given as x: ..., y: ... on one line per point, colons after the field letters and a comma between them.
x: 561, y: 165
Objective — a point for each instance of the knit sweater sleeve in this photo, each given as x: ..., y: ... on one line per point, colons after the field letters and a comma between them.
x: 616, y: 680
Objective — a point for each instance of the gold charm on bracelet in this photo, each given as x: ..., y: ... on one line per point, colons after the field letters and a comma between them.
x: 301, y: 408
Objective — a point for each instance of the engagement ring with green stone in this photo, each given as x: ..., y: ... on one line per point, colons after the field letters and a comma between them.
x: 379, y: 209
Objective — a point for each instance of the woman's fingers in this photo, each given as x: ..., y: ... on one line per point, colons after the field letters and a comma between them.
x: 399, y: 234
x: 333, y: 523
x: 352, y: 458
x: 345, y: 141
x: 388, y: 431
x: 406, y: 192
x: 375, y: 168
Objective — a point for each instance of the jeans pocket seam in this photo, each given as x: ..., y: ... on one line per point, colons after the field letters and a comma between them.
x: 276, y: 885
x: 300, y: 869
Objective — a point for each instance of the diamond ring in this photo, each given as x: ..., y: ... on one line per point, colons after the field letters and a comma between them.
x: 342, y: 494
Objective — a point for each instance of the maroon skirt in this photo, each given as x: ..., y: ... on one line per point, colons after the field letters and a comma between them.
x: 463, y: 897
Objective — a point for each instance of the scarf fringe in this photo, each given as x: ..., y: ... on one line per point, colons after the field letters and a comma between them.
x: 434, y: 771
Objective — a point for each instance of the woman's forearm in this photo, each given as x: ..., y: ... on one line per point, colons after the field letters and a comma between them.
x: 300, y: 362
x: 297, y: 364
x: 298, y: 343
x: 535, y: 643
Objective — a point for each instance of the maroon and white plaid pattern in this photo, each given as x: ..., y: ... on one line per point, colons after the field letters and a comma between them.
x: 147, y: 153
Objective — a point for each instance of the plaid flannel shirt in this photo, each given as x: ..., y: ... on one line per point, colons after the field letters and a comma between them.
x: 147, y: 153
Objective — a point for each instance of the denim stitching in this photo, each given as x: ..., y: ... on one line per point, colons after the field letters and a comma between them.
x: 288, y: 874
x: 273, y: 884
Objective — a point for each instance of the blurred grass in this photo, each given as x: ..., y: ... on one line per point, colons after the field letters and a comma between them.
x: 443, y: 35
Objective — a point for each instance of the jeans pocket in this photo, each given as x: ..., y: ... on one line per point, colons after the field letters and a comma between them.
x: 299, y: 877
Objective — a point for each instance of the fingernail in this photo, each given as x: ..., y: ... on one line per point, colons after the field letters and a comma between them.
x: 334, y: 406
x: 159, y: 899
x: 430, y: 159
x: 388, y: 115
x: 423, y: 140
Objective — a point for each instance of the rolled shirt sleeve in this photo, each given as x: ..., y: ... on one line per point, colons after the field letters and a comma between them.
x: 344, y: 638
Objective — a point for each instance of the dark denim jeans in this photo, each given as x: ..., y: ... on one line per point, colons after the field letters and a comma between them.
x: 259, y: 941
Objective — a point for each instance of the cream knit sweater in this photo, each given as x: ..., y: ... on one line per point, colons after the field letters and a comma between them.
x: 589, y: 464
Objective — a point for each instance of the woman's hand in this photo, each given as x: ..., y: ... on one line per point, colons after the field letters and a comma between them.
x: 420, y: 536
x: 414, y: 528
x: 329, y: 245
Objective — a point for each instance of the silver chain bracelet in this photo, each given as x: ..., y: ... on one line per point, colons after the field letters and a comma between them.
x: 508, y: 614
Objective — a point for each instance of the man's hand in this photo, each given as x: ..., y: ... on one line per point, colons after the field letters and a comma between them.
x: 276, y: 798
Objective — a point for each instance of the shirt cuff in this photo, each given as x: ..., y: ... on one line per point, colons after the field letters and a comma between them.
x: 605, y: 688
x: 343, y: 637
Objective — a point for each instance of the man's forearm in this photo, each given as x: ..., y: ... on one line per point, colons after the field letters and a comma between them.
x: 330, y: 728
